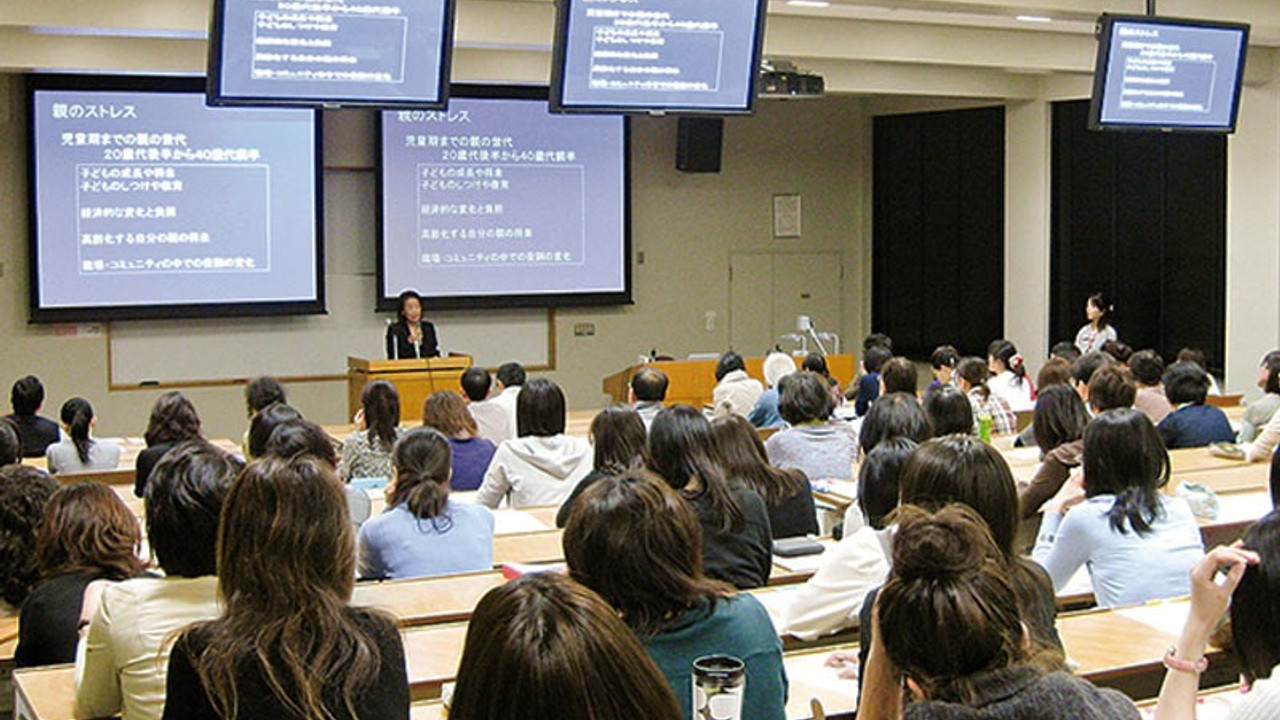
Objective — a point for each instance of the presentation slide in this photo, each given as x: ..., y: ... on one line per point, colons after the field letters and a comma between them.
x: 381, y: 52
x: 496, y: 201
x: 153, y: 200
x: 1172, y: 75
x: 695, y: 55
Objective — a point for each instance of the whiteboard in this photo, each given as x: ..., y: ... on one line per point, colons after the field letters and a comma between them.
x: 174, y: 352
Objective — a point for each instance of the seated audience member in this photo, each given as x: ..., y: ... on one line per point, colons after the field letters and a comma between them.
x: 287, y: 644
x: 815, y: 445
x: 491, y: 419
x: 1196, y: 355
x: 736, y: 538
x: 37, y: 433
x: 943, y: 361
x: 1148, y: 367
x: 1009, y: 376
x: 963, y: 469
x: 1275, y: 480
x: 1243, y: 582
x: 261, y: 393
x: 1060, y: 420
x: 122, y: 669
x: 511, y: 378
x: 950, y: 589
x: 543, y: 464
x: 829, y: 601
x: 446, y: 411
x: 815, y: 362
x: 948, y: 411
x: 1118, y: 350
x: 422, y: 532
x: 24, y: 491
x: 785, y: 492
x: 1260, y: 411
x: 637, y: 543
x: 1192, y: 423
x: 648, y: 390
x: 1112, y: 386
x: 543, y: 647
x: 735, y: 391
x: 618, y: 440
x: 1055, y: 371
x: 296, y: 436
x: 1065, y: 350
x: 173, y: 420
x: 894, y: 415
x: 898, y: 374
x: 366, y: 453
x: 1082, y: 371
x: 971, y: 378
x: 80, y: 452
x: 265, y: 423
x: 1136, y: 541
x: 868, y: 387
x: 87, y: 534
x: 765, y: 413
x: 10, y: 444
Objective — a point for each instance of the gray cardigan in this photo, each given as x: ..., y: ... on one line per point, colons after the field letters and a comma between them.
x: 1022, y: 692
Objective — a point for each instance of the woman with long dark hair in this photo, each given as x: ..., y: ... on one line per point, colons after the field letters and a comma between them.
x: 173, y: 420
x: 422, y: 532
x: 366, y: 453
x: 618, y: 438
x: 288, y: 644
x: 80, y: 452
x: 1059, y: 423
x: 736, y: 539
x: 785, y: 492
x: 1136, y: 541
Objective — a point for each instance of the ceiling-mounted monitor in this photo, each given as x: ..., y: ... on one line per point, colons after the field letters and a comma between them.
x: 1171, y: 74
x: 656, y: 56
x: 331, y: 53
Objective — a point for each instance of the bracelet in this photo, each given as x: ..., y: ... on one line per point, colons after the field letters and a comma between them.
x: 1195, y: 667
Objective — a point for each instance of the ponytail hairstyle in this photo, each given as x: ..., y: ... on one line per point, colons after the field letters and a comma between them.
x: 77, y: 415
x: 974, y: 371
x: 1124, y: 456
x: 423, y: 463
x: 949, y: 611
x: 1099, y: 301
x: 1007, y: 353
x: 381, y: 405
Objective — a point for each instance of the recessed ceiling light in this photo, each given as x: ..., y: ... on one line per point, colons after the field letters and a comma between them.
x: 809, y: 3
x: 1035, y: 18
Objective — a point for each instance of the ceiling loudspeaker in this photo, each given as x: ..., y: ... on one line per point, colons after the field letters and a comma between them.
x: 698, y: 141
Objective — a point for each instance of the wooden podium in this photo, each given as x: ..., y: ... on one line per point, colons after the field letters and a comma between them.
x: 414, y: 379
x: 692, y: 381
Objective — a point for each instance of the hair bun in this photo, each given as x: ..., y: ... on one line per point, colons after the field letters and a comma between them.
x: 947, y: 544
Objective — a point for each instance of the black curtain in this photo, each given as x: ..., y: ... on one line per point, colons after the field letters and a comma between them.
x: 938, y: 230
x: 1140, y: 217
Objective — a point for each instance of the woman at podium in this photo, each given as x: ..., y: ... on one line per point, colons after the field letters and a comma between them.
x: 410, y: 336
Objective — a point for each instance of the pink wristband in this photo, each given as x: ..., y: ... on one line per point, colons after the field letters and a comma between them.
x: 1173, y: 662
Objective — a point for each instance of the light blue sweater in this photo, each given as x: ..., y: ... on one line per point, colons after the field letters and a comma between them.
x: 398, y: 545
x: 1125, y: 567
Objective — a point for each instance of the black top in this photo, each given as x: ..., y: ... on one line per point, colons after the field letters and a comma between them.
x: 147, y: 459
x: 399, y: 347
x: 35, y: 433
x: 562, y: 515
x: 794, y: 516
x: 387, y: 698
x: 743, y: 557
x: 47, y: 628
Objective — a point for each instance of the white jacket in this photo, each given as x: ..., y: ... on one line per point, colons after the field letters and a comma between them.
x: 535, y: 471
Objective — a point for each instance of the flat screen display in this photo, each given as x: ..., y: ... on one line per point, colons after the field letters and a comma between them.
x: 1157, y: 73
x: 686, y: 56
x: 147, y: 203
x: 382, y: 53
x: 496, y: 203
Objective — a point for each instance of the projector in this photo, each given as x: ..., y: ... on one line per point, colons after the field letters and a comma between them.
x: 781, y: 79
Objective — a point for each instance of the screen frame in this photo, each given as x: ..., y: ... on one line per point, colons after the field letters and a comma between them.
x: 192, y: 85
x: 559, y: 59
x: 1104, y: 33
x: 215, y: 96
x: 529, y: 93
